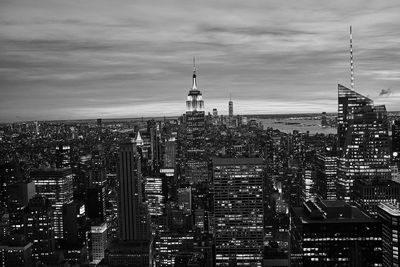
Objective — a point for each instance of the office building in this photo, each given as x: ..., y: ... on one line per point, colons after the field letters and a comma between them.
x: 133, y: 223
x: 326, y: 174
x: 334, y: 233
x: 153, y: 189
x: 389, y: 215
x: 196, y: 166
x: 57, y: 186
x: 363, y: 141
x: 39, y: 228
x: 396, y: 142
x: 369, y: 194
x: 95, y: 203
x: 97, y: 242
x: 238, y: 211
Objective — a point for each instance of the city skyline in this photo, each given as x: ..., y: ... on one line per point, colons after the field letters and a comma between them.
x: 80, y: 60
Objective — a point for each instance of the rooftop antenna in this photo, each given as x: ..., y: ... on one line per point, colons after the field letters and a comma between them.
x: 351, y: 60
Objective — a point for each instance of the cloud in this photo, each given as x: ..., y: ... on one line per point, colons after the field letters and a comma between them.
x: 385, y: 92
x: 78, y: 58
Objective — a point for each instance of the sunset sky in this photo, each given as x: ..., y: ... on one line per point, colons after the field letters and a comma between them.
x: 108, y: 59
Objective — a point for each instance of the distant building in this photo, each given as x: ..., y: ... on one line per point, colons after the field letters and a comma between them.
x: 238, y: 211
x: 334, y: 233
x: 324, y: 122
x: 389, y: 215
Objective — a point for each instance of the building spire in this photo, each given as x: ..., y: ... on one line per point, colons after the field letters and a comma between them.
x: 194, y: 85
x: 351, y: 59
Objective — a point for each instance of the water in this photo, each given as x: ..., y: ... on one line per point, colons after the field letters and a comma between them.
x: 287, y: 125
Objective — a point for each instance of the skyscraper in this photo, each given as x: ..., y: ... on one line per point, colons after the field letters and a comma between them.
x: 238, y: 211
x: 326, y: 174
x: 363, y: 141
x: 396, y: 142
x: 196, y: 166
x: 57, y: 186
x: 389, y: 215
x: 230, y: 108
x: 132, y: 216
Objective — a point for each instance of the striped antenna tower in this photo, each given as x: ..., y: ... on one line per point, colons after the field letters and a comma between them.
x: 351, y: 59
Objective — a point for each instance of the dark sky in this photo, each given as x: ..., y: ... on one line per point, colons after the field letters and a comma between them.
x: 100, y: 58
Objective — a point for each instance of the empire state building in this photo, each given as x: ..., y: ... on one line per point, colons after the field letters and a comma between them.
x: 196, y: 165
x: 194, y: 100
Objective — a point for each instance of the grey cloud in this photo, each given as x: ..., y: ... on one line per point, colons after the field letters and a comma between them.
x: 385, y: 92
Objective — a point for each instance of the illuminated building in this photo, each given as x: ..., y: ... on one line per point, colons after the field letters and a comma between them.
x: 396, y: 142
x: 153, y: 189
x: 389, y: 215
x: 326, y: 174
x: 97, y: 242
x: 196, y: 167
x: 238, y: 211
x: 133, y: 224
x: 363, y: 141
x: 39, y: 228
x: 308, y: 184
x: 369, y: 194
x: 16, y: 255
x: 169, y: 244
x: 230, y: 108
x: 334, y: 233
x: 57, y: 186
x: 62, y: 154
x: 19, y: 194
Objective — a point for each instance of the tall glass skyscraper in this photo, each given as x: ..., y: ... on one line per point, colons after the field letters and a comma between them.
x: 238, y: 211
x: 363, y: 141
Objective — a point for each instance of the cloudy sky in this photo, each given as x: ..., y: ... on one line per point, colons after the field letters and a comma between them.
x: 82, y: 59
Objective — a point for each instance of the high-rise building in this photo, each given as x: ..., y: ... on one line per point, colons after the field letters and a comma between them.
x: 133, y: 223
x: 230, y: 108
x: 39, y: 228
x: 326, y: 174
x: 396, y: 142
x: 238, y: 211
x: 196, y: 166
x: 389, y: 215
x: 57, y: 186
x: 153, y: 189
x: 95, y: 203
x: 334, y: 233
x: 324, y: 122
x: 363, y: 141
x: 97, y: 242
x: 62, y: 156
